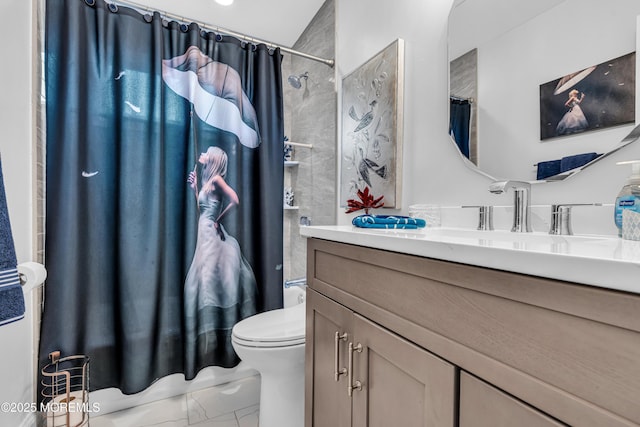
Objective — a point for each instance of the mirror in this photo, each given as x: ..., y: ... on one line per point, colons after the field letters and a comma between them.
x: 502, y: 51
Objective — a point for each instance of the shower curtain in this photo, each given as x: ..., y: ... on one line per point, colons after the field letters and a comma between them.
x: 163, y: 195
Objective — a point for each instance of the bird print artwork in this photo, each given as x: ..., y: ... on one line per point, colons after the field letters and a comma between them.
x: 366, y: 118
x: 370, y: 144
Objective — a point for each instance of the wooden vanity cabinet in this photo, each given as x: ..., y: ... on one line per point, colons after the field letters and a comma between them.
x: 447, y: 344
x: 394, y: 382
x: 482, y: 405
x: 330, y: 406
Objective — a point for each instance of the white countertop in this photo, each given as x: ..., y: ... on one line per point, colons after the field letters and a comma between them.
x: 603, y: 261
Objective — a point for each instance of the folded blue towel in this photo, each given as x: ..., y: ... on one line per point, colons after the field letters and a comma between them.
x: 11, y: 297
x: 388, y: 221
x: 548, y: 168
x: 572, y: 162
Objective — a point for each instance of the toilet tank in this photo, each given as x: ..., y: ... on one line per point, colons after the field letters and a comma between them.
x: 294, y: 295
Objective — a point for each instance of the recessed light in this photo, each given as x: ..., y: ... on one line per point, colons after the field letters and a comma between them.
x: 225, y: 2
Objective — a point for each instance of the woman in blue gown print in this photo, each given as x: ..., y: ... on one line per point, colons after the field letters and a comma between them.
x: 220, y: 287
x: 573, y: 120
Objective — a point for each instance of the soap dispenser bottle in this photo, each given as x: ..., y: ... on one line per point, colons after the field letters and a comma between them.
x: 629, y: 196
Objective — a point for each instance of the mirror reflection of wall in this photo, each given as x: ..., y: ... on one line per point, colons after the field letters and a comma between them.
x: 555, y: 38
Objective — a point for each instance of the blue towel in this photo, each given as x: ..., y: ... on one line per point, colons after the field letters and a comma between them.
x: 548, y: 168
x: 572, y: 162
x: 388, y: 221
x: 11, y: 297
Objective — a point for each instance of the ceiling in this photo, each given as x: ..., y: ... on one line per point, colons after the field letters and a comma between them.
x: 278, y: 21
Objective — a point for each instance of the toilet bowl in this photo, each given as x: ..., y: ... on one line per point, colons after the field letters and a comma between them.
x: 273, y: 343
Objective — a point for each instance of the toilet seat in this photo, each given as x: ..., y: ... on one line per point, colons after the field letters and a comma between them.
x: 283, y: 327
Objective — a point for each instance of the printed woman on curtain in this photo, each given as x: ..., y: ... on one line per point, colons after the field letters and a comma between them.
x: 220, y: 288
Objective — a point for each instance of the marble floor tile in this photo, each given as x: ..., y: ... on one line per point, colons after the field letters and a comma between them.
x: 217, y: 401
x: 248, y: 417
x: 170, y: 412
x: 235, y: 404
x: 226, y: 420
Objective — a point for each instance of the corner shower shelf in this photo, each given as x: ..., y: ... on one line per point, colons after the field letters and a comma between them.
x: 288, y: 164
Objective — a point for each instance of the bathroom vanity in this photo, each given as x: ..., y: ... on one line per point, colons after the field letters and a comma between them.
x: 442, y: 328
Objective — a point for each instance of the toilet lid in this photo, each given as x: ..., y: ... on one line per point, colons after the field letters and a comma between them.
x: 282, y: 327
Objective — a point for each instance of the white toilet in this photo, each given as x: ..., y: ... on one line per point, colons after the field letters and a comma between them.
x: 273, y: 343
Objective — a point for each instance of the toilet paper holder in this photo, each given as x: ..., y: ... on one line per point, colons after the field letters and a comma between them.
x: 32, y: 274
x: 65, y: 391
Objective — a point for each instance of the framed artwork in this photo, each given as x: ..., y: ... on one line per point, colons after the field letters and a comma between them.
x: 597, y: 97
x: 371, y: 154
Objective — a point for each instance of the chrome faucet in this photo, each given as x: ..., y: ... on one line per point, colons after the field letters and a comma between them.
x: 302, y: 282
x: 561, y: 217
x: 485, y: 219
x: 521, y: 202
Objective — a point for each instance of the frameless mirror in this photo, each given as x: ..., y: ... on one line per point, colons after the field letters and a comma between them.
x: 501, y: 52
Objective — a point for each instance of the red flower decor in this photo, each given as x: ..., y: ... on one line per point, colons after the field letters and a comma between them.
x: 367, y: 202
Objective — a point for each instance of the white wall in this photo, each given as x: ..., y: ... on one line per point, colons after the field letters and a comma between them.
x: 16, y: 370
x: 433, y: 171
x: 15, y: 120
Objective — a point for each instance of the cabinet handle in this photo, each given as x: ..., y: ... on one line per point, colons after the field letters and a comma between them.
x: 336, y: 370
x: 357, y: 385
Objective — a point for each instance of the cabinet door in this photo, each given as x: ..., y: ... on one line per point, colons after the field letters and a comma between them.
x: 326, y: 400
x: 402, y: 384
x: 482, y: 405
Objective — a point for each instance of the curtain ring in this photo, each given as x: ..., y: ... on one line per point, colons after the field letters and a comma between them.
x: 219, y: 37
x: 271, y: 51
x: 184, y: 27
x: 203, y: 33
x: 90, y: 2
x: 148, y: 17
x: 243, y: 44
x: 113, y: 8
x: 254, y: 47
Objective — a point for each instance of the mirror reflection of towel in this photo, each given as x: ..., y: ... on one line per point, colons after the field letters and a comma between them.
x: 572, y: 162
x: 11, y: 296
x: 548, y: 168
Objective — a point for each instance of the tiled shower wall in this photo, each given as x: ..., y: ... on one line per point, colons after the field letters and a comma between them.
x: 310, y: 115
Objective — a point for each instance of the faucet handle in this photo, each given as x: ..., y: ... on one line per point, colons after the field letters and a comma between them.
x: 498, y: 187
x: 561, y: 217
x: 485, y: 218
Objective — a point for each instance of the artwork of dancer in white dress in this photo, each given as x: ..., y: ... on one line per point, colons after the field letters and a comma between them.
x: 573, y: 120
x: 220, y: 288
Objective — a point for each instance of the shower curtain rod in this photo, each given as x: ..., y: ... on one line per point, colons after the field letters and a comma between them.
x: 245, y: 37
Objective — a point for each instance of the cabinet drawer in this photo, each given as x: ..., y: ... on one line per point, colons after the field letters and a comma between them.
x: 482, y: 405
